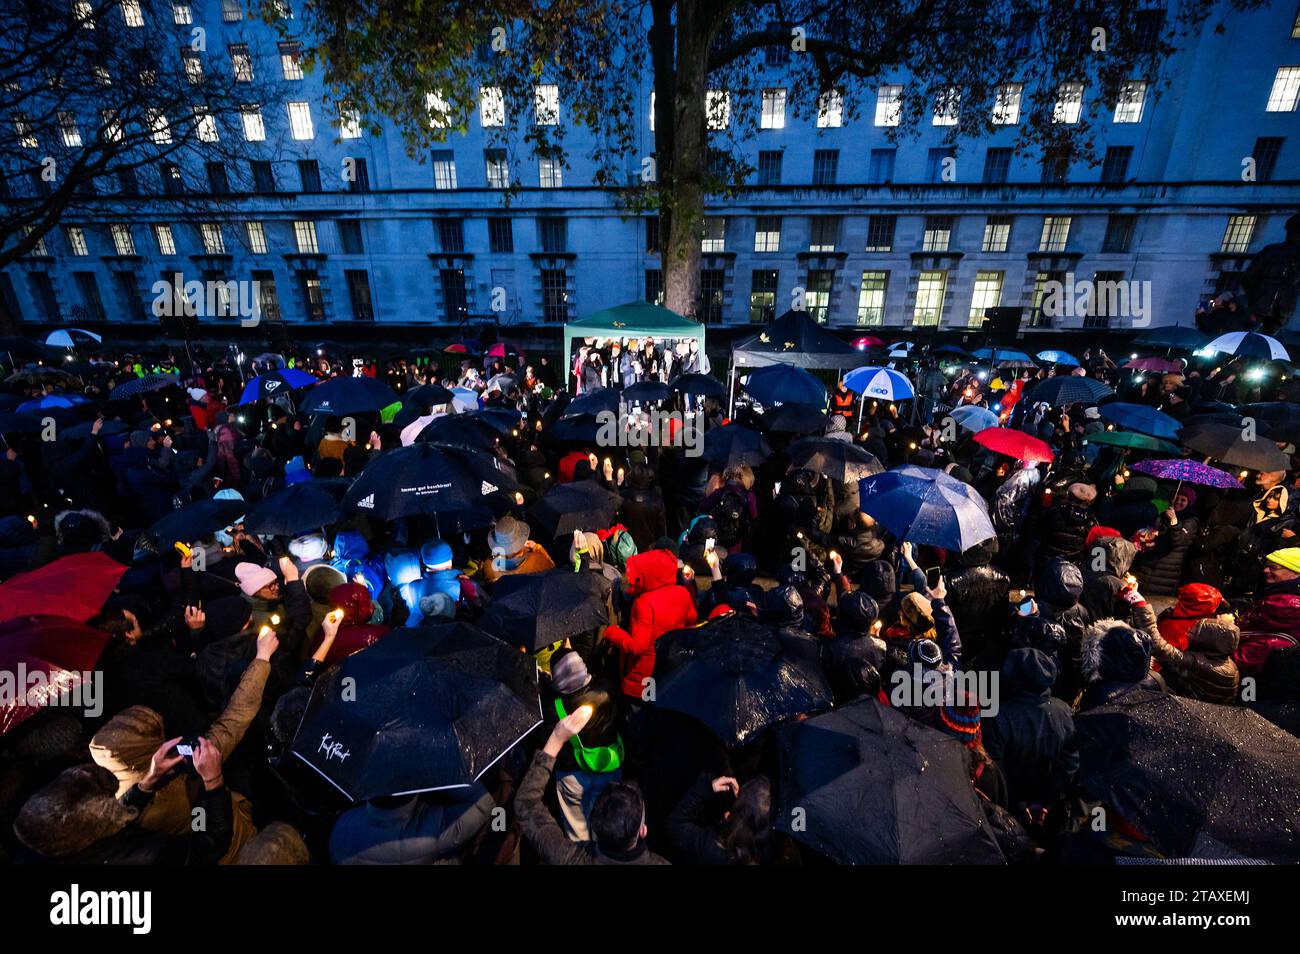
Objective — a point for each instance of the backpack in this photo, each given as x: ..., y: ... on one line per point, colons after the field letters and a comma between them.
x: 731, y: 513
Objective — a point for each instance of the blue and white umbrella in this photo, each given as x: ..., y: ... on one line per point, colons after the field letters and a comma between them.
x: 883, y: 384
x: 464, y: 399
x: 1059, y: 357
x: 1248, y: 344
x: 923, y: 505
x: 901, y: 349
x: 71, y: 337
x: 974, y: 418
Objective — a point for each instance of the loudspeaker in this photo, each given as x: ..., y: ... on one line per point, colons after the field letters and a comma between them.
x: 1003, y: 321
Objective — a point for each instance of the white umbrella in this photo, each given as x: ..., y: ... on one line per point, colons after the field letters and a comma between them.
x: 1248, y: 344
x: 66, y: 337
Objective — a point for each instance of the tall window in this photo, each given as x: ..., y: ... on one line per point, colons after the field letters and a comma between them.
x: 717, y: 107
x: 712, y: 289
x: 89, y: 288
x: 69, y: 130
x: 1128, y: 107
x: 193, y: 67
x: 817, y: 296
x: 498, y: 168
x: 930, y: 286
x: 132, y: 13
x: 773, y: 116
x: 714, y: 239
x: 987, y: 294
x: 182, y: 14
x: 762, y: 296
x: 546, y: 105
x: 881, y: 167
x: 947, y: 107
x: 830, y: 109
x: 205, y: 125
x: 997, y: 233
x: 123, y: 240
x: 937, y: 163
x: 444, y: 169
x: 889, y: 105
x: 1265, y: 153
x: 350, y: 237
x: 1006, y: 104
x: 214, y: 243
x: 825, y: 233
x: 997, y: 164
x: 263, y: 175
x: 938, y: 233
x: 871, y: 298
x: 1119, y: 234
x: 231, y: 10
x: 160, y: 129
x: 501, y: 236
x: 554, y: 234
x: 1056, y: 164
x: 1238, y: 234
x: 1069, y: 103
x: 826, y: 163
x: 1056, y: 233
x: 551, y: 172
x: 256, y: 237
x: 769, y: 167
x: 313, y: 295
x: 77, y: 241
x: 491, y: 106
x: 455, y: 297
x: 241, y: 62
x: 1037, y: 318
x: 349, y: 123
x: 309, y: 175
x: 1114, y: 167
x: 254, y: 128
x: 767, y: 234
x: 880, y: 233
x: 652, y: 235
x: 1286, y: 90
x: 555, y: 294
x: 162, y: 234
x: 359, y: 294
x: 300, y: 121
x: 451, y: 235
x: 305, y: 235
x: 291, y: 60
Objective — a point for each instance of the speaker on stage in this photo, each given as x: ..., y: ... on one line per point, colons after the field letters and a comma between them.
x: 1003, y: 321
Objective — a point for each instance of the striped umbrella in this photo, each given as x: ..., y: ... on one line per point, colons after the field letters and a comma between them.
x: 1248, y: 344
x: 883, y: 384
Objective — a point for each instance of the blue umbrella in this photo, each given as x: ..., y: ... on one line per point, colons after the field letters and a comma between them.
x: 53, y: 402
x: 924, y: 505
x: 974, y: 418
x: 348, y: 396
x: 1069, y: 389
x: 1058, y: 357
x: 1140, y: 418
x: 275, y: 383
x: 883, y: 383
x: 785, y: 384
x: 1001, y: 354
x: 143, y: 385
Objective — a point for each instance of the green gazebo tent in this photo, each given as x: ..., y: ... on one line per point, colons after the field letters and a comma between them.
x: 636, y: 319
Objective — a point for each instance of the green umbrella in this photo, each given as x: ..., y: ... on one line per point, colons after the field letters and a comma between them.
x: 1133, y: 440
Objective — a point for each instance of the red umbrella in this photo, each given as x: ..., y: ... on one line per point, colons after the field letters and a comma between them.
x: 47, y: 657
x: 867, y: 341
x: 74, y: 586
x: 502, y: 349
x: 1154, y: 365
x: 1017, y: 444
x: 456, y: 348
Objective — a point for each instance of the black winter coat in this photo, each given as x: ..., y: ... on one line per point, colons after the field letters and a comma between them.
x: 1032, y: 736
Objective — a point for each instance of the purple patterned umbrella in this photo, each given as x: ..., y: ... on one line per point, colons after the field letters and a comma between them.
x: 1188, y: 471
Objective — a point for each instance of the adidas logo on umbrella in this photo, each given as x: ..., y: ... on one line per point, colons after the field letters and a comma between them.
x: 367, y: 502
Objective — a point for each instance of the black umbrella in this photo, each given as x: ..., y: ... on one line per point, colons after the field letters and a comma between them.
x: 428, y: 395
x: 1066, y: 389
x: 1229, y: 443
x: 197, y: 520
x: 601, y: 400
x: 428, y: 479
x: 795, y: 419
x: 735, y: 446
x: 1279, y: 419
x: 534, y: 610
x: 579, y: 429
x: 459, y: 430
x: 838, y: 460
x: 500, y: 419
x: 23, y: 348
x: 421, y: 710
x: 13, y: 423
x: 1200, y: 780
x: 866, y: 784
x: 348, y: 396
x: 704, y: 385
x: 648, y: 392
x: 110, y: 428
x: 581, y: 505
x: 739, y: 676
x: 137, y: 386
x: 298, y: 508
x: 1172, y: 336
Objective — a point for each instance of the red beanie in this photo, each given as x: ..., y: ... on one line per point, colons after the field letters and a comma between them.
x: 1096, y: 533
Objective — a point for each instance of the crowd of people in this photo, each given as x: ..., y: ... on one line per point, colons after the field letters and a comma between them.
x: 1101, y: 584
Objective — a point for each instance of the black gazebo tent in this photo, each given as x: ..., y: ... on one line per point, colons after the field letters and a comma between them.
x: 793, y: 338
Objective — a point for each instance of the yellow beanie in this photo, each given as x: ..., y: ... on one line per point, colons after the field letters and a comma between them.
x: 1289, y: 558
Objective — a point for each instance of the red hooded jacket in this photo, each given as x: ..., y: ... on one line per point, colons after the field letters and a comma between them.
x: 661, y: 605
x: 1196, y: 601
x: 356, y: 631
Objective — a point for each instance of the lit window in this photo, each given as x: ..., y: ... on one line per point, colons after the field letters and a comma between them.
x: 492, y: 106
x: 773, y: 109
x: 300, y: 121
x: 291, y: 61
x: 123, y: 240
x: 241, y: 62
x: 205, y: 125
x: 132, y: 13
x: 871, y: 298
x: 498, y: 168
x: 26, y: 135
x: 551, y: 173
x: 349, y: 123
x: 162, y: 234
x: 546, y: 104
x: 938, y: 233
x: 930, y: 287
x: 889, y: 105
x: 830, y: 109
x: 101, y: 76
x: 160, y: 130
x: 1006, y: 106
x: 305, y: 233
x: 439, y: 110
x: 1237, y: 236
x: 256, y: 237
x: 182, y: 15
x: 988, y: 294
x: 652, y: 111
x: 1069, y: 103
x: 1056, y: 233
x: 1128, y: 108
x: 193, y: 66
x: 1286, y: 90
x: 715, y: 236
x: 254, y: 128
x: 69, y: 130
x: 84, y: 11
x: 997, y: 232
x: 947, y: 107
x: 40, y: 248
x: 214, y: 243
x: 817, y: 293
x: 77, y: 241
x: 231, y: 11
x: 444, y: 169
x: 717, y: 106
x: 767, y: 234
